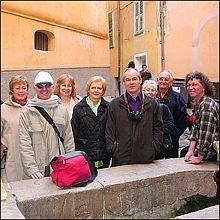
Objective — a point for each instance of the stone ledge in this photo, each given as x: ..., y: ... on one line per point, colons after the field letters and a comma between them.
x: 9, y: 209
x: 207, y: 213
x: 131, y: 191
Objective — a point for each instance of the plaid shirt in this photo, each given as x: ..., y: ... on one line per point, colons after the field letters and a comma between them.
x: 205, y: 127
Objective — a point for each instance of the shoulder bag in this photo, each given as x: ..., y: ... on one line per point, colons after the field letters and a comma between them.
x: 71, y: 169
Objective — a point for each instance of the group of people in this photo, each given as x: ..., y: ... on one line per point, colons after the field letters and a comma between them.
x: 143, y: 124
x: 145, y: 73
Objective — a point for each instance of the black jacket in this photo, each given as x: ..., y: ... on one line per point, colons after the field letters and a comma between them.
x: 177, y: 107
x: 89, y: 129
x: 145, y: 75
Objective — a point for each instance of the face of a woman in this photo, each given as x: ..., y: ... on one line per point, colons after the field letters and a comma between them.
x: 20, y: 91
x: 150, y: 90
x: 96, y: 91
x: 66, y: 88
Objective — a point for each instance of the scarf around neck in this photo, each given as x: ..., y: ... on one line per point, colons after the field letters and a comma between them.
x: 52, y: 102
x: 20, y: 102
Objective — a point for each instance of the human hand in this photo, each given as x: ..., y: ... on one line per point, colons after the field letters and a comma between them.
x: 37, y: 175
x: 195, y: 160
x: 189, y: 154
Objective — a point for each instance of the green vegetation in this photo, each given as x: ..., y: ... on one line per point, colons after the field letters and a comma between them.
x: 195, y: 203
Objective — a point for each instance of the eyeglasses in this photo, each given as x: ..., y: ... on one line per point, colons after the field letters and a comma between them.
x: 43, y: 85
x: 163, y: 79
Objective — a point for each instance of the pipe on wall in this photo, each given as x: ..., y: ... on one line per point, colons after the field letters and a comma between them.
x: 119, y: 48
x: 162, y: 3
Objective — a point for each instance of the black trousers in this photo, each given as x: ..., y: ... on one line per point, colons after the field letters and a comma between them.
x: 47, y: 171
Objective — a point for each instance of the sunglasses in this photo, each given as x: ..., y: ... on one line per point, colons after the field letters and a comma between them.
x: 43, y: 85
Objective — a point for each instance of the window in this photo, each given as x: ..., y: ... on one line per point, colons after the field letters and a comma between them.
x: 111, y: 29
x: 138, y: 17
x: 40, y: 41
x: 140, y: 59
x: 43, y: 40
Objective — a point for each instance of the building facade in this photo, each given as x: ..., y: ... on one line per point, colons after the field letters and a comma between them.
x: 56, y: 36
x: 180, y: 36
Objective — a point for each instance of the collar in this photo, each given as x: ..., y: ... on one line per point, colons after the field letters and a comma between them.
x: 167, y: 96
x: 90, y: 103
x: 138, y: 97
x: 201, y: 100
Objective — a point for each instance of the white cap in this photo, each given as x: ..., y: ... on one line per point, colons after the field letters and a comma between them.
x: 43, y: 77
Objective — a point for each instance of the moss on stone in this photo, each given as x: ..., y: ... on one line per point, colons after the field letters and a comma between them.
x: 195, y: 203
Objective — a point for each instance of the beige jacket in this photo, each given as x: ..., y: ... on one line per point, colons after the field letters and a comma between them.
x: 38, y: 140
x: 10, y: 113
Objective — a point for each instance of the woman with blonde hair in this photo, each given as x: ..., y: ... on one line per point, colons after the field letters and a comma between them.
x: 89, y: 121
x: 65, y: 88
x: 10, y: 114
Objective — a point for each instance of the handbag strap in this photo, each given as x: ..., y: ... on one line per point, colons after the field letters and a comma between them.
x: 50, y: 121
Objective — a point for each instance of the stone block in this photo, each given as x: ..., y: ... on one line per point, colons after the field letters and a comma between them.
x: 153, y: 190
x: 42, y: 199
x: 9, y: 208
x: 131, y: 191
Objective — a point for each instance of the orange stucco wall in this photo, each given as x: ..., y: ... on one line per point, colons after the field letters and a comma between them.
x: 182, y: 20
x: 112, y: 6
x: 80, y: 30
x: 87, y: 16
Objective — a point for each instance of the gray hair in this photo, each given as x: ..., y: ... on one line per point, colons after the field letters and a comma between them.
x: 149, y: 82
x: 131, y: 70
x: 166, y: 71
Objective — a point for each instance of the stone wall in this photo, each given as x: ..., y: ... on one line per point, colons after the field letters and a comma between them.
x: 132, y: 191
x: 81, y: 75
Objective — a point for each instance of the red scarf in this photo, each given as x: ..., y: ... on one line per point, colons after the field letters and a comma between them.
x: 21, y: 102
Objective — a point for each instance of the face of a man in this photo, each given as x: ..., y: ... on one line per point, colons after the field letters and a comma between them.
x: 195, y: 89
x: 164, y: 81
x: 144, y: 68
x: 132, y: 81
x: 44, y: 91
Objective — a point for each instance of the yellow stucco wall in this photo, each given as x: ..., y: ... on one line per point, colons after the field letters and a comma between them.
x: 146, y: 42
x: 182, y: 20
x: 130, y: 44
x: 80, y: 30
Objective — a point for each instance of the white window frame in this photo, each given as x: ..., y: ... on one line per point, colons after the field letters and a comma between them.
x: 138, y: 17
x: 111, y: 30
x: 137, y: 64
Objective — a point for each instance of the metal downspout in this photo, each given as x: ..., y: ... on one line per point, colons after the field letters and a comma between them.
x: 119, y: 49
x: 162, y: 34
